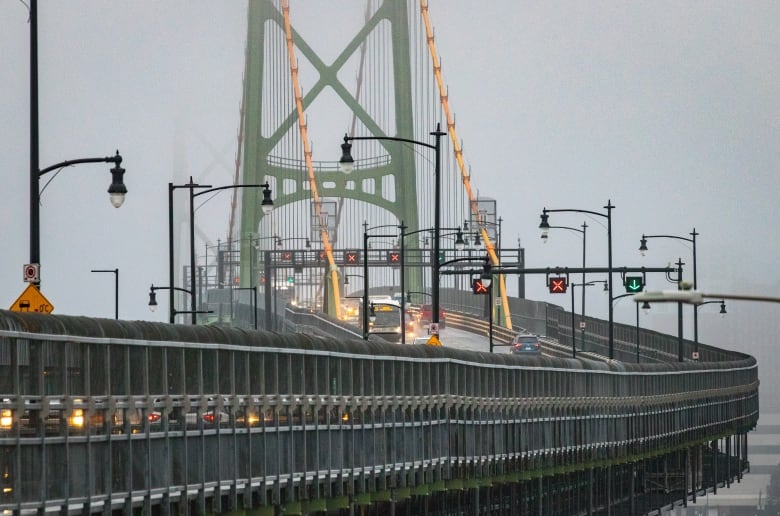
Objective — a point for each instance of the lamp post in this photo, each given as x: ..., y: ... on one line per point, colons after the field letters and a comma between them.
x: 279, y: 241
x: 171, y: 310
x: 116, y: 289
x: 645, y: 306
x: 680, y: 315
x: 116, y: 190
x: 692, y: 240
x: 366, y: 236
x: 573, y: 285
x: 346, y: 162
x: 695, y: 297
x: 545, y: 227
x: 487, y: 280
x: 174, y: 312
x: 267, y: 205
x: 583, y: 232
x: 460, y: 244
x: 722, y: 305
x: 254, y: 306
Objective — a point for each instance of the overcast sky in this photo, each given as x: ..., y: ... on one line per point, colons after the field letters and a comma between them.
x: 671, y: 110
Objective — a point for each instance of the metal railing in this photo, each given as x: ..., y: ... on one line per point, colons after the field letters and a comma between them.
x: 155, y: 412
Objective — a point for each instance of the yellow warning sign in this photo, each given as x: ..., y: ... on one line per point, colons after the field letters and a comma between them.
x: 434, y: 340
x: 32, y: 300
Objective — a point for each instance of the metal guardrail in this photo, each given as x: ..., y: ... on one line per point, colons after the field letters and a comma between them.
x: 151, y: 415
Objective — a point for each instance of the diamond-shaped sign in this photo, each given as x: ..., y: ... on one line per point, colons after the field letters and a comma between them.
x: 32, y: 300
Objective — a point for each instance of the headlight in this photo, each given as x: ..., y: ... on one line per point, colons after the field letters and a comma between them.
x: 77, y: 418
x: 6, y: 418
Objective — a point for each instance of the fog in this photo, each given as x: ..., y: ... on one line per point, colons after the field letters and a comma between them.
x: 670, y: 110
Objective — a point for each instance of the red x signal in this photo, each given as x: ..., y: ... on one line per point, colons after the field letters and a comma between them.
x: 394, y: 257
x: 351, y: 257
x: 478, y: 287
x: 557, y: 285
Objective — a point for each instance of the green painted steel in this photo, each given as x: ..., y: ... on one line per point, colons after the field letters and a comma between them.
x: 258, y: 158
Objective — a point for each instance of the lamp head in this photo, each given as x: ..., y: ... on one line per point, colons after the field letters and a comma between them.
x: 646, y: 307
x: 723, y: 308
x: 152, y: 299
x: 267, y: 205
x: 544, y: 225
x: 459, y: 242
x: 346, y: 163
x: 117, y: 190
x: 643, y: 245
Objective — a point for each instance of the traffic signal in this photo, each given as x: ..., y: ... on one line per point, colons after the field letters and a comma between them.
x: 634, y: 283
x: 291, y: 280
x: 287, y: 256
x: 557, y: 285
x: 394, y: 257
x: 351, y: 257
x: 479, y: 287
x: 442, y: 256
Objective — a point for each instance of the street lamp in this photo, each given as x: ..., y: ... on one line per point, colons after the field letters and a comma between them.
x: 254, y: 306
x: 366, y: 236
x: 280, y: 240
x: 545, y: 227
x: 460, y: 244
x: 692, y: 240
x: 116, y: 189
x: 174, y: 312
x: 646, y: 308
x: 116, y: 289
x: 347, y: 163
x: 266, y: 205
x: 722, y: 305
x: 487, y: 280
x: 583, y: 285
x: 694, y: 297
x: 583, y: 232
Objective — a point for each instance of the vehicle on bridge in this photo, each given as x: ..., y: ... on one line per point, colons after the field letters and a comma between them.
x: 526, y: 344
x: 387, y: 318
x: 426, y: 315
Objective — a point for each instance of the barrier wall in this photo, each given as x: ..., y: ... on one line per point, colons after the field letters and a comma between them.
x: 98, y: 413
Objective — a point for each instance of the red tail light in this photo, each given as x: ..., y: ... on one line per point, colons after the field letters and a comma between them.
x: 154, y: 417
x: 209, y: 418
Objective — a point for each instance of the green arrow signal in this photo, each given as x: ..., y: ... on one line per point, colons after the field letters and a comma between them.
x: 634, y: 284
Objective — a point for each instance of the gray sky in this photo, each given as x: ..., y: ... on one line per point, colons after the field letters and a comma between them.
x: 669, y: 109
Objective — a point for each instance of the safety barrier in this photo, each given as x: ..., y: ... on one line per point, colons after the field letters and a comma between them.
x: 100, y: 414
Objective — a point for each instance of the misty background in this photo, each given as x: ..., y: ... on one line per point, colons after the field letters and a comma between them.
x: 671, y: 110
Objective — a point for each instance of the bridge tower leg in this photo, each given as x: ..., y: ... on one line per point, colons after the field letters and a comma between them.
x: 271, y: 123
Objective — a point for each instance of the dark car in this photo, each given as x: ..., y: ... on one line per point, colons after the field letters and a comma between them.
x: 426, y: 315
x: 526, y: 344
